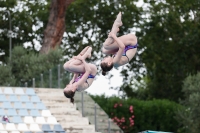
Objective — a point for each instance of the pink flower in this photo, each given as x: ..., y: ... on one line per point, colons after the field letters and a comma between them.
x: 118, y: 120
x: 131, y: 111
x: 131, y: 107
x: 115, y: 106
x: 123, y: 120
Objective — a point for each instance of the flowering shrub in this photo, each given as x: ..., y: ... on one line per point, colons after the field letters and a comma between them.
x: 124, y: 120
x: 133, y: 115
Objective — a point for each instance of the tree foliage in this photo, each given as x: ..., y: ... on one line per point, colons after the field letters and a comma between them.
x: 28, y: 65
x: 7, y: 78
x: 89, y: 22
x: 189, y: 116
x: 28, y: 20
x: 169, y: 38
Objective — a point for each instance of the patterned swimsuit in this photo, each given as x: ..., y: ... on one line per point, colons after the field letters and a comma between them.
x: 127, y: 48
x: 80, y: 76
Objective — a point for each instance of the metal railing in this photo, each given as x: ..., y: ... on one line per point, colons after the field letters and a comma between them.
x: 52, y: 78
x: 96, y: 115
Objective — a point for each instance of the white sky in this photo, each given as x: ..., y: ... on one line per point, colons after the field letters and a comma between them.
x: 101, y: 84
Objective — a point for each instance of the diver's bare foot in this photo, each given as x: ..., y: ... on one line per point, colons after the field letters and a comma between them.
x: 118, y: 21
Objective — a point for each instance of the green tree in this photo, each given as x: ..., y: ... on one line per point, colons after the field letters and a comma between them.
x: 6, y: 77
x: 189, y: 116
x: 28, y: 20
x: 28, y: 65
x: 89, y: 21
x: 170, y: 43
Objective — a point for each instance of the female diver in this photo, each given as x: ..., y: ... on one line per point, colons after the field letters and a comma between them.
x: 122, y: 49
x: 84, y: 73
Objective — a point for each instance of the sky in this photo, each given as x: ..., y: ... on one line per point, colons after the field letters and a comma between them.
x: 101, y: 84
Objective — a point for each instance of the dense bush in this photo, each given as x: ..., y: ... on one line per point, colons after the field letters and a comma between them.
x: 134, y: 115
x: 189, y: 115
x: 6, y: 77
x: 26, y: 65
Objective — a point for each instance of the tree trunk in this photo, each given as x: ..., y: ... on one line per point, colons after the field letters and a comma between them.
x: 54, y: 31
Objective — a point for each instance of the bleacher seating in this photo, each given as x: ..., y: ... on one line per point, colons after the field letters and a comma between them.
x: 23, y: 112
x: 19, y: 91
x: 18, y: 105
x: 22, y: 127
x: 40, y: 120
x: 2, y: 112
x: 11, y: 112
x: 34, y: 112
x: 52, y: 120
x: 8, y: 91
x: 26, y: 112
x: 40, y: 106
x: 1, y: 127
x: 35, y: 99
x: 29, y: 105
x: 24, y: 98
x: 4, y: 131
x: 46, y: 128
x: 28, y: 119
x: 34, y: 127
x: 10, y: 127
x: 58, y: 128
x: 13, y: 98
x: 17, y: 119
x: 2, y: 98
x: 7, y: 105
x: 30, y: 92
x: 15, y: 131
x: 46, y: 113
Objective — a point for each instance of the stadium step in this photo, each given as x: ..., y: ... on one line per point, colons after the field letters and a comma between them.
x: 65, y: 112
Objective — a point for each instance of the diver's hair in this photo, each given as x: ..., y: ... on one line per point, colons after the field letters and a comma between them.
x: 70, y: 94
x: 105, y: 68
x: 103, y: 73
